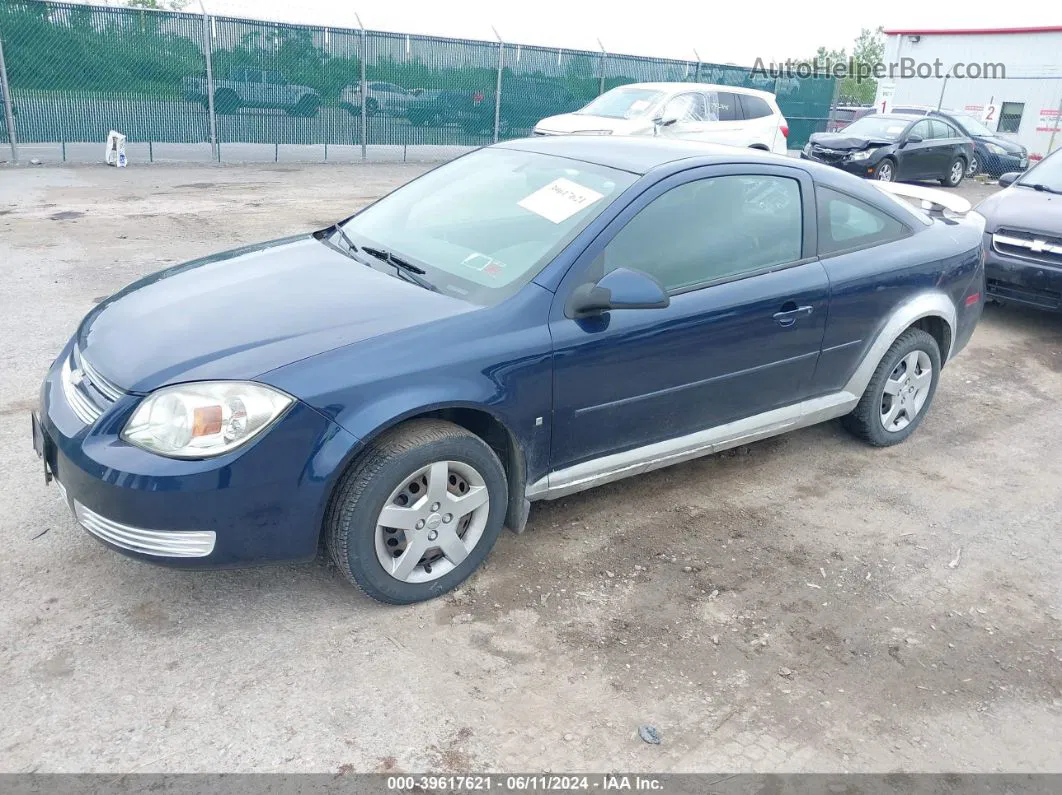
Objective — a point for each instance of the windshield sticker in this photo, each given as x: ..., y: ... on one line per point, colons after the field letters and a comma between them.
x: 639, y: 105
x: 560, y: 200
x: 484, y: 264
x: 894, y: 129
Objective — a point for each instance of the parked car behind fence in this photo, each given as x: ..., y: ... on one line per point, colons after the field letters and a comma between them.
x: 253, y: 88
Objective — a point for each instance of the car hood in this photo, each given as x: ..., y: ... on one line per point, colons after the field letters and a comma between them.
x: 577, y: 122
x: 1023, y: 208
x: 242, y: 313
x: 841, y: 141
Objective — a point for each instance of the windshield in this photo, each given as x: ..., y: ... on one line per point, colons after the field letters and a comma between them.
x: 1048, y: 172
x: 484, y: 225
x: 623, y: 103
x: 971, y: 125
x: 881, y: 127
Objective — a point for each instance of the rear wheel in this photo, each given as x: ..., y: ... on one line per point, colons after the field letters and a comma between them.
x: 886, y: 171
x: 900, y: 392
x: 418, y: 512
x: 226, y: 101
x: 956, y: 171
x: 307, y: 106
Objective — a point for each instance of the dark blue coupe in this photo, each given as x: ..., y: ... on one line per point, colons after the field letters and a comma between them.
x: 529, y: 320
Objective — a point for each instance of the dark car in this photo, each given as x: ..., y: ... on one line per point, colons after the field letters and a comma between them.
x: 435, y: 107
x: 530, y: 320
x: 895, y: 147
x: 993, y: 155
x: 1023, y: 236
x: 843, y: 115
x: 525, y: 100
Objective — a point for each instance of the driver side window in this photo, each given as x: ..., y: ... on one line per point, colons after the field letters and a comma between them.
x: 922, y: 129
x: 685, y: 107
x: 712, y: 229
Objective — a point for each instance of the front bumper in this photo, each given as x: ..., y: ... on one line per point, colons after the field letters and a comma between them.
x: 861, y: 168
x: 1022, y: 280
x: 994, y: 165
x: 262, y: 503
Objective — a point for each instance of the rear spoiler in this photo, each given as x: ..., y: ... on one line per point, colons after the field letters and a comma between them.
x: 933, y: 200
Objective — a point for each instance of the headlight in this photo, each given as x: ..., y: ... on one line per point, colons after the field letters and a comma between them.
x: 865, y: 154
x: 995, y: 149
x: 591, y: 132
x: 203, y: 419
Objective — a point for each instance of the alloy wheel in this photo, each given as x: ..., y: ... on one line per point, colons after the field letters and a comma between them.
x: 432, y: 521
x: 957, y: 172
x: 885, y: 172
x: 906, y: 391
x: 972, y: 168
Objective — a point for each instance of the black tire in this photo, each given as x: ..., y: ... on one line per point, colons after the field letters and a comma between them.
x: 306, y: 107
x: 226, y: 102
x: 955, y: 173
x: 886, y: 174
x: 350, y: 526
x: 973, y: 167
x: 865, y: 420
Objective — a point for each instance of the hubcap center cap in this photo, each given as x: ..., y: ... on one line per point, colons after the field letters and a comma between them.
x: 433, y: 521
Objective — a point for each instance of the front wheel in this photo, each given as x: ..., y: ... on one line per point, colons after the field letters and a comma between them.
x: 956, y: 171
x: 418, y: 512
x: 886, y: 171
x: 900, y: 392
x: 973, y: 167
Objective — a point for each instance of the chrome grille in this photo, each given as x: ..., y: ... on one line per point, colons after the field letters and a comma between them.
x: 162, y: 543
x: 102, y: 385
x: 1029, y: 245
x: 86, y: 411
x: 87, y: 392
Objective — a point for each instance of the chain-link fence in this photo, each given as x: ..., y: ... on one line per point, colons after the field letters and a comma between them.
x: 74, y: 72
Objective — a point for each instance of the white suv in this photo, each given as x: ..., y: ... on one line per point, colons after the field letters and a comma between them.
x: 694, y: 111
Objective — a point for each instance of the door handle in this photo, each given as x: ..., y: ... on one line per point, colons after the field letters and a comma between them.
x: 790, y: 312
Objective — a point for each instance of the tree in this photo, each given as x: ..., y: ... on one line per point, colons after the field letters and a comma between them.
x: 867, y: 51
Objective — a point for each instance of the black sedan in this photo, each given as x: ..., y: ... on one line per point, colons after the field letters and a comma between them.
x: 993, y: 154
x: 1023, y: 236
x: 896, y: 147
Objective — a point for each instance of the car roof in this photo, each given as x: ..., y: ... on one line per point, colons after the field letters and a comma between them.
x: 686, y: 86
x: 635, y: 154
x: 899, y: 116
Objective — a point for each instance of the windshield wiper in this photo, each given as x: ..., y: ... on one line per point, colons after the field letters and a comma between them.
x: 346, y: 238
x: 403, y: 269
x: 1040, y: 187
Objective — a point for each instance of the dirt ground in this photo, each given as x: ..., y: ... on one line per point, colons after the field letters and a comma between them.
x: 802, y: 604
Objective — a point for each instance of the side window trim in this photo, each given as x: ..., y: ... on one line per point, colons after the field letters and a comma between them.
x: 577, y: 274
x: 908, y: 230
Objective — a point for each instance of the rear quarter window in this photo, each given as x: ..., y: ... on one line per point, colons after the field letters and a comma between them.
x: 756, y: 108
x: 847, y: 223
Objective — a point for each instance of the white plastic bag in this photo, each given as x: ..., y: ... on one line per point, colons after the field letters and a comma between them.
x: 116, y: 149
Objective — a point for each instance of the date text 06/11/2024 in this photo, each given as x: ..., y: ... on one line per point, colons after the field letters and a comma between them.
x: 524, y: 783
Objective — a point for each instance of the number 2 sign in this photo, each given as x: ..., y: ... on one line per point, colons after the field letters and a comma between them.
x: 990, y: 114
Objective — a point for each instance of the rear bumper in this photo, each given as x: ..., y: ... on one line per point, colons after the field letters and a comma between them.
x: 1022, y: 281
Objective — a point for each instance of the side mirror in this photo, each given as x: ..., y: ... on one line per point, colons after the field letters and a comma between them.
x: 1008, y: 179
x: 913, y: 138
x: 660, y: 122
x: 621, y: 289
